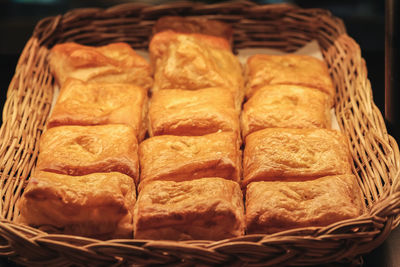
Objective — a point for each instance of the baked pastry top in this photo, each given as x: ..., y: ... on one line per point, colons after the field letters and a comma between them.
x: 80, y: 150
x: 206, y: 209
x: 286, y: 106
x: 294, y: 155
x: 88, y: 103
x: 113, y: 63
x: 98, y: 205
x: 180, y: 158
x: 277, y: 206
x: 199, y: 112
x: 195, y: 61
x: 287, y: 69
x: 194, y: 25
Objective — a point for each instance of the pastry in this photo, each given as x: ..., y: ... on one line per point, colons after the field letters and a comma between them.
x: 278, y: 154
x: 277, y: 206
x: 286, y: 106
x: 98, y: 205
x: 80, y: 150
x: 206, y: 209
x: 287, y: 69
x: 113, y: 63
x: 199, y: 112
x: 195, y: 61
x: 194, y: 25
x: 88, y: 103
x: 180, y: 158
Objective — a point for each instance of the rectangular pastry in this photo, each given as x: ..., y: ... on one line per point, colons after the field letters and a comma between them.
x: 294, y: 155
x: 286, y: 106
x: 180, y: 158
x: 277, y: 206
x: 80, y: 150
x: 199, y: 112
x: 98, y: 205
x: 287, y: 69
x: 113, y: 63
x: 89, y: 103
x: 194, y: 25
x: 205, y: 209
x: 195, y: 61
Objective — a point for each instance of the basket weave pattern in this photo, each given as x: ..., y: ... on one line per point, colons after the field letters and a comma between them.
x: 376, y: 158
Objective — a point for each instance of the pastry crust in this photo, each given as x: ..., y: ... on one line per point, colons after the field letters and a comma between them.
x: 286, y: 106
x: 302, y: 70
x: 205, y: 209
x: 278, y: 154
x: 277, y: 206
x: 195, y: 61
x: 200, y: 112
x: 180, y: 158
x: 80, y: 150
x: 98, y: 205
x: 88, y: 103
x: 113, y: 63
x: 194, y: 25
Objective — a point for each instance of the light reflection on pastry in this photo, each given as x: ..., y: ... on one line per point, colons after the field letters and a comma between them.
x: 277, y: 206
x: 199, y: 112
x: 286, y: 106
x: 206, y: 209
x: 98, y: 205
x: 80, y: 150
x: 195, y: 61
x: 279, y: 154
x: 302, y: 70
x: 88, y: 103
x: 180, y: 158
x: 113, y: 63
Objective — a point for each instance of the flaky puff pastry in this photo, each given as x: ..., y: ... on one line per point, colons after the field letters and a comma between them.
x: 286, y: 106
x: 98, y: 205
x: 180, y: 158
x: 88, y: 103
x: 277, y: 206
x: 113, y: 63
x: 195, y: 61
x: 279, y: 154
x: 302, y: 70
x: 199, y: 112
x: 80, y: 150
x: 206, y: 209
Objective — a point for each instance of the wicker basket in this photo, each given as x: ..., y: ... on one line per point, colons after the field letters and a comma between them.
x: 375, y: 153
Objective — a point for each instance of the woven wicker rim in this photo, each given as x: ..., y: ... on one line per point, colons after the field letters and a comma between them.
x: 376, y: 157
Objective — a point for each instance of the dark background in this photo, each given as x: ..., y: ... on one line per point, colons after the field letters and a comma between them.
x: 364, y: 20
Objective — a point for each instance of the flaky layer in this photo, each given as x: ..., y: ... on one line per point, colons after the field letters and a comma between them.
x: 97, y: 205
x: 199, y: 112
x: 277, y: 206
x: 207, y: 209
x: 279, y: 154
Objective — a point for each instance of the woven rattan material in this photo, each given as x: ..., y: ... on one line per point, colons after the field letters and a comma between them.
x: 376, y: 157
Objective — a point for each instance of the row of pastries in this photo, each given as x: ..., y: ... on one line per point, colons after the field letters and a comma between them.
x: 210, y: 167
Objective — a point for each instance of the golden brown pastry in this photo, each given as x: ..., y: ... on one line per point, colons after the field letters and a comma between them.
x: 277, y: 206
x: 195, y: 61
x: 279, y: 154
x: 206, y: 209
x: 180, y: 158
x: 98, y: 205
x: 194, y: 25
x: 286, y: 106
x: 80, y: 150
x: 88, y: 103
x: 287, y: 69
x: 199, y: 112
x: 113, y: 63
